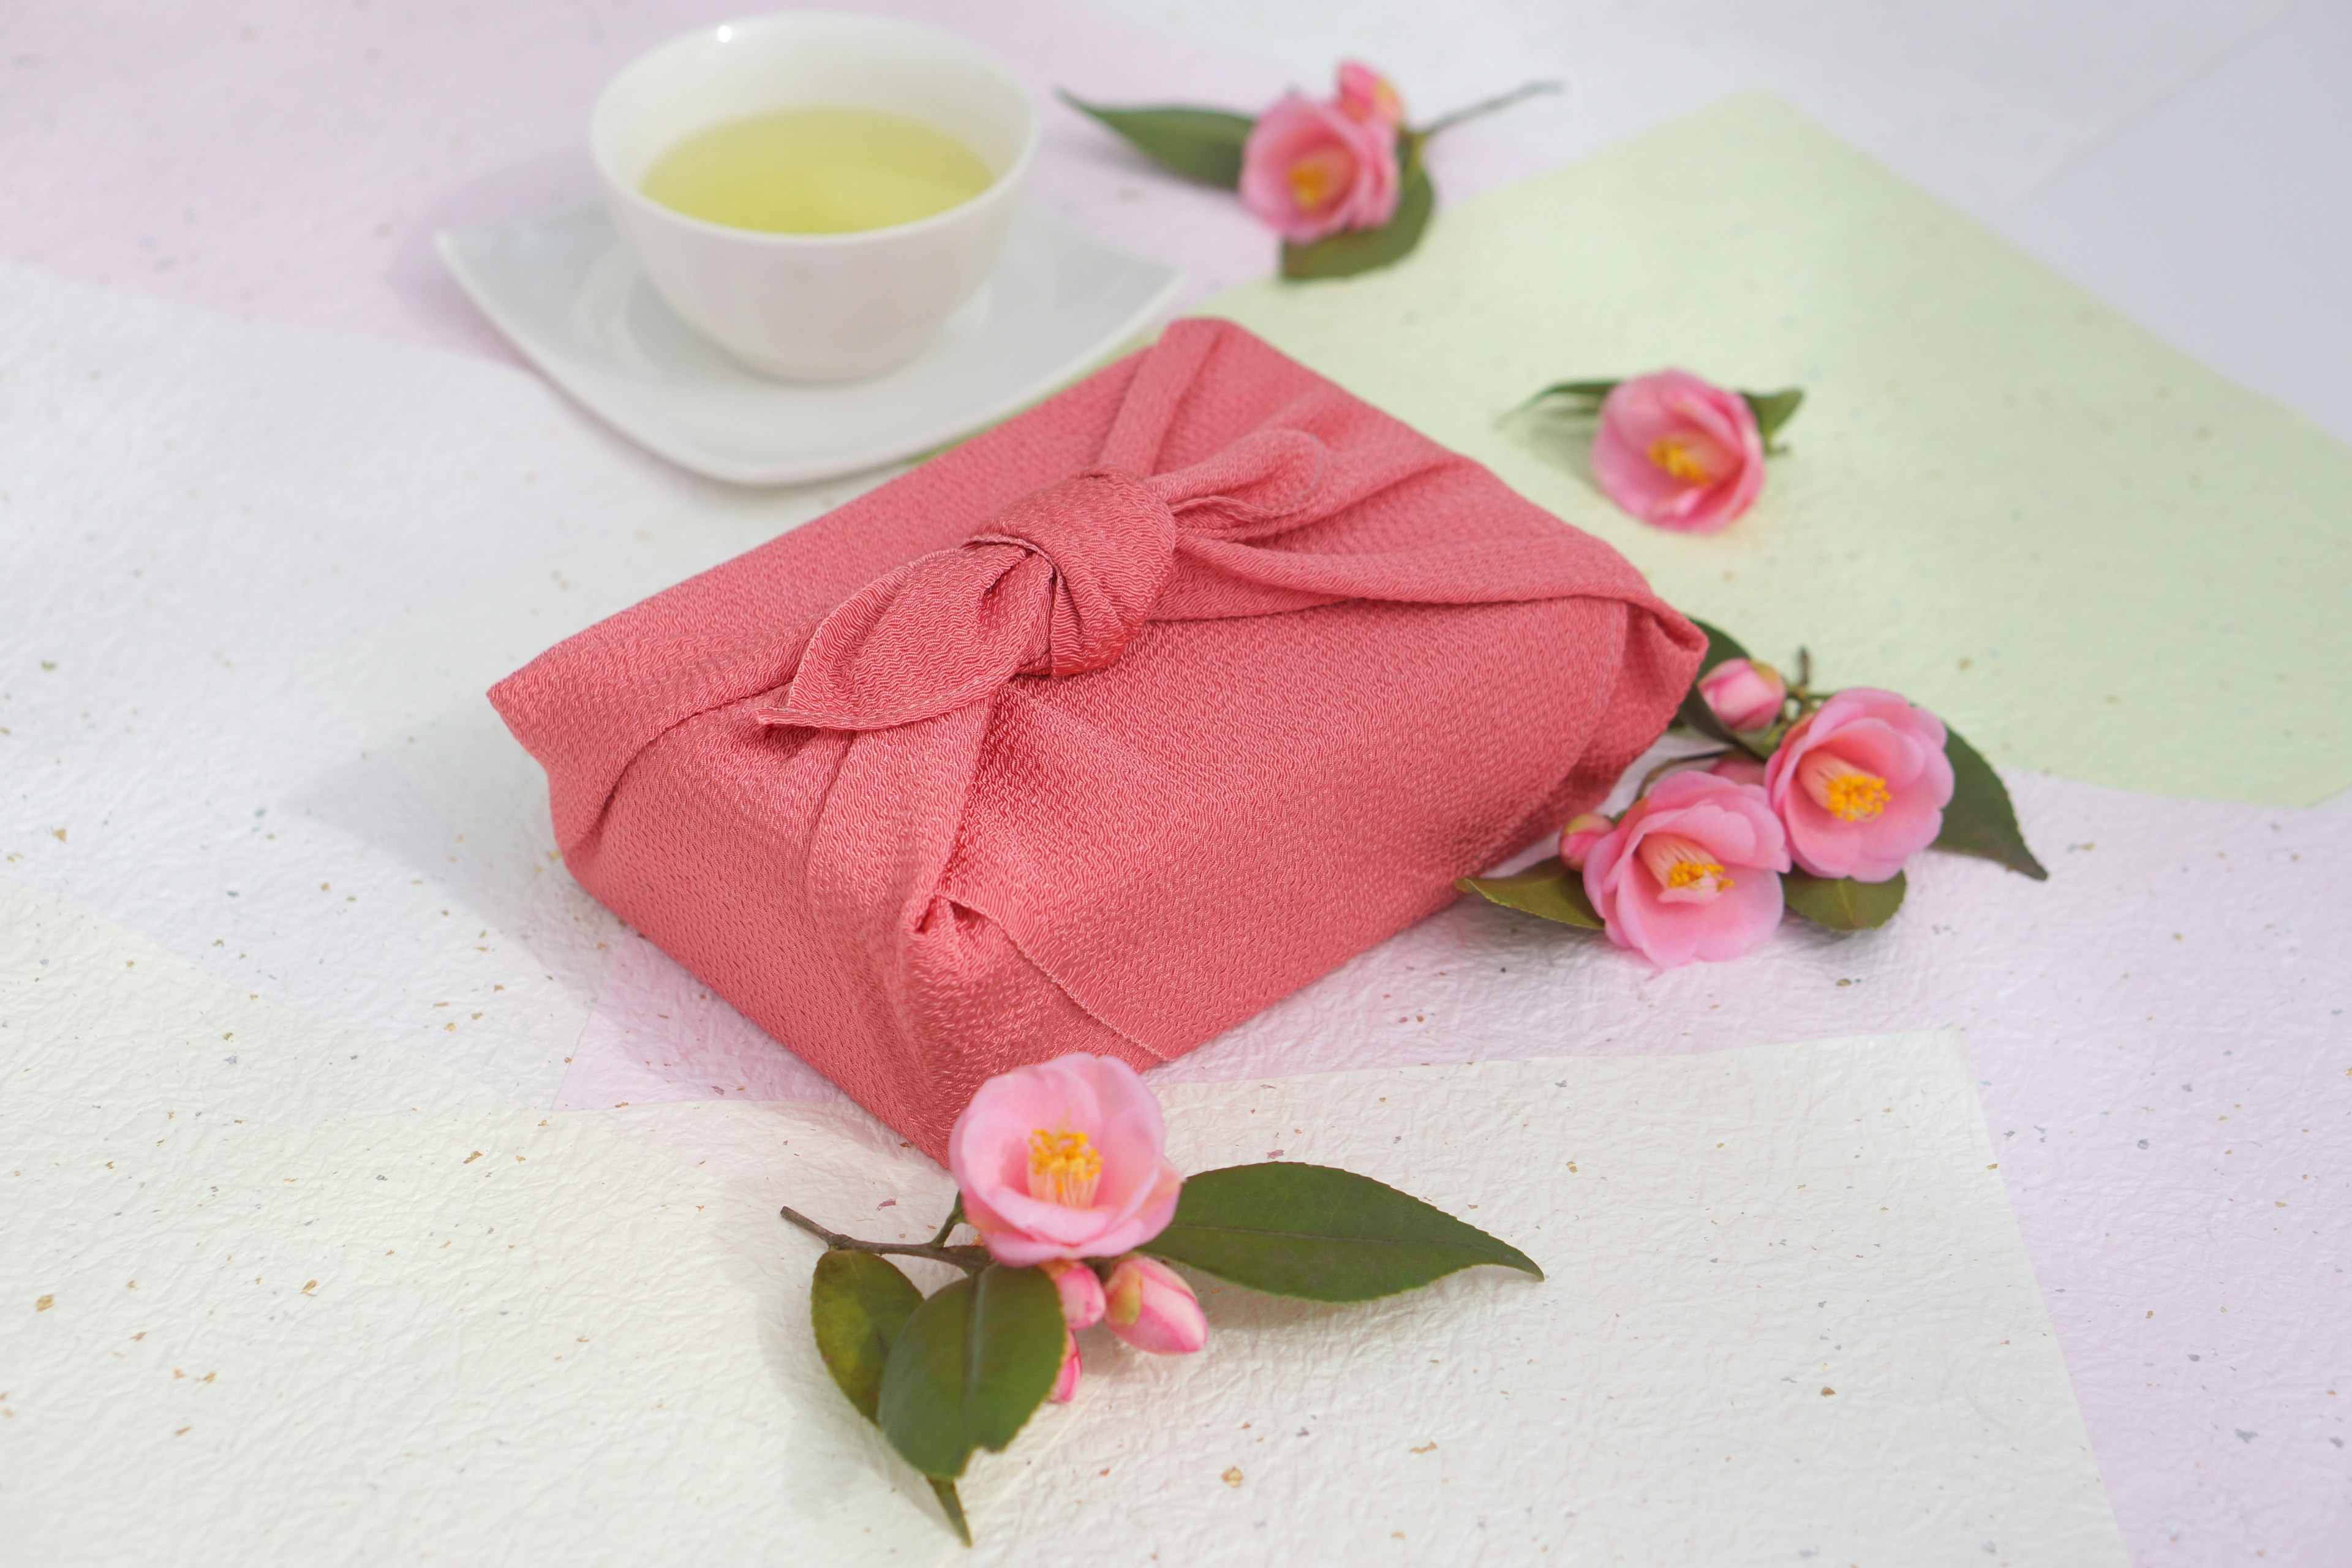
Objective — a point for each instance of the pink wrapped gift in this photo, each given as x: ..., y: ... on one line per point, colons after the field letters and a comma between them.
x: 1101, y: 732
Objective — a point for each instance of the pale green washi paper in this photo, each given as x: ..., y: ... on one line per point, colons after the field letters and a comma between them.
x: 2095, y: 556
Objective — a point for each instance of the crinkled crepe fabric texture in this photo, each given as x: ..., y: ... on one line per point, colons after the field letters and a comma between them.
x: 1129, y: 859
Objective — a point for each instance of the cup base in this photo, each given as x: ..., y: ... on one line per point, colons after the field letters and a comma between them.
x: 804, y: 373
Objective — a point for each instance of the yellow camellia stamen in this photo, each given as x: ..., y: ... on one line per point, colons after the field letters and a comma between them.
x: 1680, y: 460
x: 1844, y: 791
x: 1317, y: 178
x: 1063, y: 1168
x: 1682, y: 867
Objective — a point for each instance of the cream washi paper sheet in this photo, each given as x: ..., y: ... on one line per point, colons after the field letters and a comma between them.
x: 277, y: 1292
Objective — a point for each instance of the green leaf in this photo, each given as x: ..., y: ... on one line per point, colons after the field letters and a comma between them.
x: 1773, y: 409
x: 1590, y: 393
x: 1842, y: 903
x: 969, y: 1367
x: 1980, y: 819
x: 1203, y: 145
x: 1592, y: 390
x: 858, y: 1304
x: 1547, y: 888
x: 1720, y: 645
x: 1361, y: 250
x: 1320, y: 1235
x: 951, y: 1505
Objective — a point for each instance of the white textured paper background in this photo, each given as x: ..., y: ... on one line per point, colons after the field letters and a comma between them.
x: 258, y: 580
x: 1787, y: 1317
x: 2164, y: 1034
x: 271, y: 570
x: 272, y: 1291
x: 243, y: 642
x: 275, y: 1293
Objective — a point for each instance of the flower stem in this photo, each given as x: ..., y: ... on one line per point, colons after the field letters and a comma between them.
x: 947, y: 1226
x: 1670, y: 764
x: 971, y: 1259
x: 1447, y: 121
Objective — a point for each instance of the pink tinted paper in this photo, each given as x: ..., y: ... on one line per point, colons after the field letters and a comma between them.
x: 291, y: 162
x: 288, y: 161
x: 1101, y: 732
x: 2163, y: 1032
x: 658, y: 1035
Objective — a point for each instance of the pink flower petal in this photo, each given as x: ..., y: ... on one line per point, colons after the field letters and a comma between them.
x: 1705, y: 425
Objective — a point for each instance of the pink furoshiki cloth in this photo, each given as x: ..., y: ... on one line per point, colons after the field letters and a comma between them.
x: 1099, y: 733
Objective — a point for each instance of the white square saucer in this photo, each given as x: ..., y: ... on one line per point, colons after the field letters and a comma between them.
x: 569, y: 296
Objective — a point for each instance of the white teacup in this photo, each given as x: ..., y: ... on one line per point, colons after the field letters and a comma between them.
x: 813, y: 307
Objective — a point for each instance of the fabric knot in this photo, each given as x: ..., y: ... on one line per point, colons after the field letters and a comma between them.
x: 1056, y: 584
x: 1111, y: 542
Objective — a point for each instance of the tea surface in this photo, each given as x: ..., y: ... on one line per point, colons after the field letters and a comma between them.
x: 817, y: 170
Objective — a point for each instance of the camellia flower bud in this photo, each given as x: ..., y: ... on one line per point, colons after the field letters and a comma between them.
x: 1744, y: 695
x: 1149, y: 1305
x: 1082, y: 1292
x: 1065, y: 1382
x: 1367, y: 96
x: 1738, y: 767
x: 1577, y: 840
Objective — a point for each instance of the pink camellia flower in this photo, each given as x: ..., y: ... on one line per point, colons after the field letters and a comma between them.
x: 1149, y: 1305
x: 1678, y: 452
x: 1691, y: 871
x: 1063, y: 1160
x: 1862, y: 783
x: 1310, y: 170
x: 1065, y: 1382
x: 1743, y: 694
x: 1367, y: 96
x: 1577, y: 840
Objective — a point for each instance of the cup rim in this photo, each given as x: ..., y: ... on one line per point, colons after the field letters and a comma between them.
x: 783, y: 240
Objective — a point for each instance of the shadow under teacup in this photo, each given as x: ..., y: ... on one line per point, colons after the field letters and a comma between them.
x: 813, y: 307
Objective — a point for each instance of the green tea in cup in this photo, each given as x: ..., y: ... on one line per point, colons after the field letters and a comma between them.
x: 814, y: 191
x: 816, y: 171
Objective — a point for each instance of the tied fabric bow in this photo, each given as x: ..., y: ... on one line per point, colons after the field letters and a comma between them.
x: 1062, y: 580
x: 1056, y: 584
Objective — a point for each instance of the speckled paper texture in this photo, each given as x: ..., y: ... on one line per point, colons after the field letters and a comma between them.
x: 242, y: 651
x: 1787, y: 1317
x: 2159, y: 1031
x: 244, y: 631
x: 278, y: 1292
x: 2002, y: 498
x: 273, y: 1292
